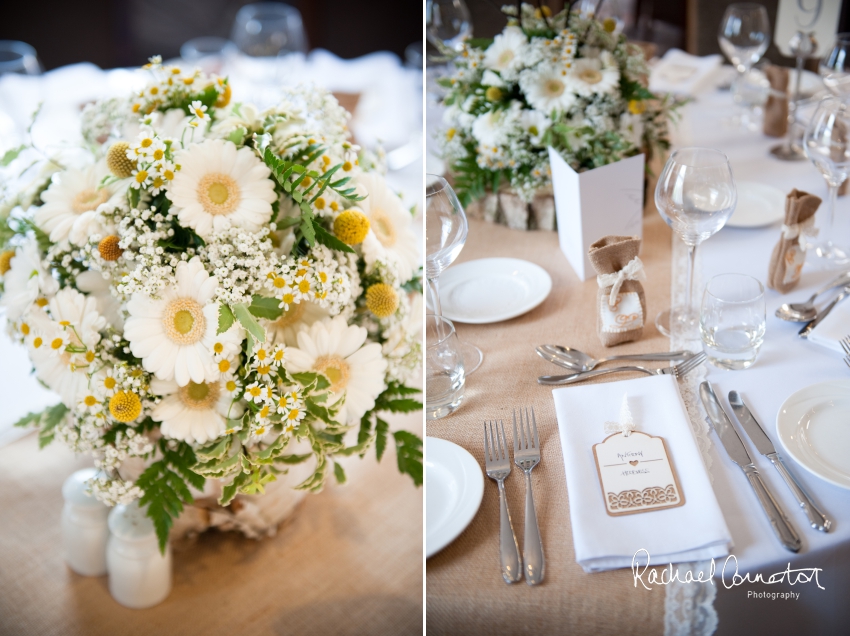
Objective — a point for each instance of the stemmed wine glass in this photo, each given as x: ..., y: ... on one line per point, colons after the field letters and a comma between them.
x: 695, y: 196
x: 448, y: 23
x: 834, y: 67
x: 827, y: 144
x: 446, y: 228
x: 744, y: 36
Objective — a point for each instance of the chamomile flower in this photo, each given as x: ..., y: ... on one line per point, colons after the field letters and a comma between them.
x: 199, y: 111
x: 255, y: 392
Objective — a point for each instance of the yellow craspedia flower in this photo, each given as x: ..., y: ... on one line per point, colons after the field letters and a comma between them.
x: 493, y: 94
x: 224, y: 97
x: 117, y: 161
x: 6, y: 261
x: 637, y: 106
x: 351, y: 227
x: 609, y: 24
x: 109, y: 249
x: 125, y: 406
x: 382, y: 300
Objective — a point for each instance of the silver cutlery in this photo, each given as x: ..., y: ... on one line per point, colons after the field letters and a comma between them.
x: 731, y: 441
x: 755, y: 430
x: 498, y: 467
x: 575, y: 359
x: 823, y: 313
x: 845, y: 344
x: 527, y: 456
x: 676, y: 371
x: 805, y: 311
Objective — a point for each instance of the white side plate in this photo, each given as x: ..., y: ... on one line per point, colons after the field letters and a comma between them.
x: 492, y: 289
x: 758, y: 205
x: 814, y: 428
x: 454, y: 487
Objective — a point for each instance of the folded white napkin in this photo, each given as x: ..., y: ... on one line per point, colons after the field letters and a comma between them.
x: 833, y: 328
x: 695, y: 531
x: 681, y: 73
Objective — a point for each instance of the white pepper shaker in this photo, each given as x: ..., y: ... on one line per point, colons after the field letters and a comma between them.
x: 84, y: 526
x: 139, y: 575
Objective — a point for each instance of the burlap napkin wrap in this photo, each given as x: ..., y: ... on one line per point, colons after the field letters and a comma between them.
x: 621, y: 304
x: 776, y: 107
x: 786, y: 261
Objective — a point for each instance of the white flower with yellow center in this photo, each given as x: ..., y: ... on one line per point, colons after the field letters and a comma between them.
x: 508, y: 52
x: 547, y: 89
x: 299, y: 316
x: 25, y: 281
x: 390, y: 234
x: 588, y: 77
x: 70, y: 205
x: 63, y: 351
x: 174, y: 335
x: 219, y: 185
x: 194, y: 413
x: 535, y: 125
x: 339, y: 351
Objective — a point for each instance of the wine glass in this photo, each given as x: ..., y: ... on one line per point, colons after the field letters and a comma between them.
x: 695, y: 196
x: 18, y: 57
x: 448, y: 23
x: 446, y: 229
x: 744, y: 36
x: 834, y: 67
x: 827, y: 144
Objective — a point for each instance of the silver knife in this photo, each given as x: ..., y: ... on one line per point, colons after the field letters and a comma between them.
x: 807, y: 329
x: 738, y: 454
x: 758, y: 437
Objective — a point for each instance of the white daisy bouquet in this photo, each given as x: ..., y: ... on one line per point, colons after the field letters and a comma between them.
x: 214, y: 293
x: 565, y: 81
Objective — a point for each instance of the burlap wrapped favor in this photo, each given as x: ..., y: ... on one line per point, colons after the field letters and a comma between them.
x: 786, y: 261
x: 776, y: 107
x: 620, y: 300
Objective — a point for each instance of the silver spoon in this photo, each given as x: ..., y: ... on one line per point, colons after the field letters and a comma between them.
x: 574, y: 359
x: 806, y: 311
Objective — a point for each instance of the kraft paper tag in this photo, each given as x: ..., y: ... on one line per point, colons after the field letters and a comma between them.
x: 636, y: 474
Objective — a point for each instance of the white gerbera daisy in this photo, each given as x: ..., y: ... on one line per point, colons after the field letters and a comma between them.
x: 175, y: 334
x: 546, y: 89
x: 195, y: 413
x: 489, y: 78
x: 218, y: 183
x: 508, y: 52
x: 588, y: 77
x: 390, y: 235
x: 70, y: 205
x: 299, y: 316
x: 25, y: 280
x: 535, y: 124
x: 356, y: 370
x: 492, y: 128
x: 75, y: 322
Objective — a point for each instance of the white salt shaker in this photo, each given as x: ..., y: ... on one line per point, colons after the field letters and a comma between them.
x: 139, y: 575
x: 84, y: 526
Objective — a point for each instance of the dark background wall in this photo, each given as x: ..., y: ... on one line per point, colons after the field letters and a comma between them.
x: 114, y: 33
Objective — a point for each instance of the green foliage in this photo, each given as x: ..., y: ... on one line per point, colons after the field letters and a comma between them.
x: 265, y: 307
x: 10, y: 155
x: 225, y: 318
x: 409, y: 455
x: 329, y: 240
x: 381, y: 431
x: 244, y: 316
x: 45, y: 421
x: 339, y: 473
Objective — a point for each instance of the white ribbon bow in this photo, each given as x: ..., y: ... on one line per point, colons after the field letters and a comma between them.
x: 632, y: 271
x: 626, y: 424
x: 804, y: 228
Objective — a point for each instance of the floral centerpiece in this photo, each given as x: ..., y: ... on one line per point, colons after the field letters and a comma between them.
x: 215, y: 293
x: 565, y: 81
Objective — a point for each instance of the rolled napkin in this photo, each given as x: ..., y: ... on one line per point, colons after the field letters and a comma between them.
x: 833, y: 328
x: 681, y: 73
x: 621, y: 304
x: 786, y: 261
x: 776, y: 107
x: 695, y: 531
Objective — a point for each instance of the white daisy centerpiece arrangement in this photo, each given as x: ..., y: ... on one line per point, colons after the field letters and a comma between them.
x: 566, y: 81
x: 215, y: 292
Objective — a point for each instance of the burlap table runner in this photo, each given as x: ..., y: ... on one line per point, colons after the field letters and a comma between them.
x: 348, y: 562
x: 465, y: 593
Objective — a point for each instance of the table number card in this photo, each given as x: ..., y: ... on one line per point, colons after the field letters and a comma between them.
x: 809, y: 16
x: 636, y: 474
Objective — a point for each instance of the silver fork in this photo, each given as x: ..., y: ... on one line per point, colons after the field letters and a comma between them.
x: 527, y: 456
x: 845, y: 344
x: 498, y: 468
x: 676, y: 371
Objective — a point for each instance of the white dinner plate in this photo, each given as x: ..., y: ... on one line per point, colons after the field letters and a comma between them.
x: 814, y: 428
x: 454, y: 487
x: 492, y: 289
x: 758, y: 205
